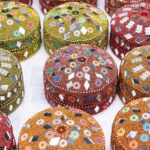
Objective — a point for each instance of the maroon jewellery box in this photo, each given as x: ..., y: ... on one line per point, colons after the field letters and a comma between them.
x: 46, y: 5
x: 111, y: 6
x: 130, y: 28
x: 29, y: 2
x: 7, y: 140
x: 81, y: 76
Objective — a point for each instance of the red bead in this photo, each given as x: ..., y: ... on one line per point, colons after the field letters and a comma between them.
x: 61, y: 129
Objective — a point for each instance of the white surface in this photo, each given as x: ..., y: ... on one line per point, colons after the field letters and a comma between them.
x: 35, y: 101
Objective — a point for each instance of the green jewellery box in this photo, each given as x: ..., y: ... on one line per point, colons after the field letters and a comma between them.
x: 19, y: 29
x: 11, y: 82
x: 74, y: 22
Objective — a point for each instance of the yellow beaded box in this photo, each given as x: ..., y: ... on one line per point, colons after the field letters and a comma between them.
x: 11, y: 82
x: 73, y: 23
x: 19, y: 29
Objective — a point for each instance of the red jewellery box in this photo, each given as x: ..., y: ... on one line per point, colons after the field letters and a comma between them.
x: 29, y: 2
x: 7, y: 141
x: 130, y: 28
x: 81, y: 76
x: 111, y: 6
x: 46, y: 5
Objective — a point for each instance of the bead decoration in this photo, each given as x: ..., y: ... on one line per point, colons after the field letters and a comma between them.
x: 131, y: 29
x: 131, y: 126
x: 7, y: 141
x: 47, y: 5
x: 85, y: 84
x: 135, y: 74
x: 78, y: 23
x: 75, y: 129
x: 11, y: 82
x: 20, y: 29
x: 111, y: 6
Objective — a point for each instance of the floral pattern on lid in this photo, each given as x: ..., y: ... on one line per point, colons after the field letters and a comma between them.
x: 19, y: 28
x: 61, y: 128
x: 75, y: 23
x: 80, y: 75
x: 18, y: 20
x: 131, y: 126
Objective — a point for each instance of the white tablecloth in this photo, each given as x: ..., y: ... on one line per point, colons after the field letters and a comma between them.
x: 35, y: 101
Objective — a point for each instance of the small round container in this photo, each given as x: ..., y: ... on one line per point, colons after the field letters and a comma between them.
x: 28, y: 2
x: 11, y: 82
x: 46, y: 5
x: 80, y: 76
x: 131, y: 126
x: 111, y: 6
x: 7, y: 140
x: 135, y: 74
x: 61, y: 128
x: 75, y: 22
x: 20, y: 29
x: 130, y: 28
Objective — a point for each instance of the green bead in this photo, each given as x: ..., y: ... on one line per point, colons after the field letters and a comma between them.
x: 49, y: 70
x: 12, y: 45
x: 58, y: 44
x: 126, y: 109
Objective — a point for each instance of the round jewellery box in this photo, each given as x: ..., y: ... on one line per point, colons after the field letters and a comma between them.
x: 61, y: 128
x: 28, y: 2
x: 130, y: 28
x: 131, y: 126
x: 11, y: 82
x: 111, y: 6
x: 135, y: 74
x: 20, y: 29
x: 81, y: 76
x: 73, y: 23
x: 46, y: 5
x: 7, y: 140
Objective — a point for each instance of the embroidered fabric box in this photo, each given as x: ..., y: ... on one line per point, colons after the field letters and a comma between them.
x: 72, y: 23
x: 20, y: 29
x: 11, y: 82
x: 80, y: 76
x: 134, y: 74
x: 61, y: 128
x: 130, y: 28
x: 131, y: 126
x: 7, y: 140
x: 46, y: 5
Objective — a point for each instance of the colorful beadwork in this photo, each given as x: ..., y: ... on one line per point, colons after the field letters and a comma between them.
x: 72, y: 23
x: 46, y: 5
x: 134, y: 74
x: 7, y: 140
x: 20, y: 29
x: 81, y: 76
x: 61, y: 128
x: 111, y: 6
x: 130, y: 28
x: 11, y: 82
x: 131, y: 126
